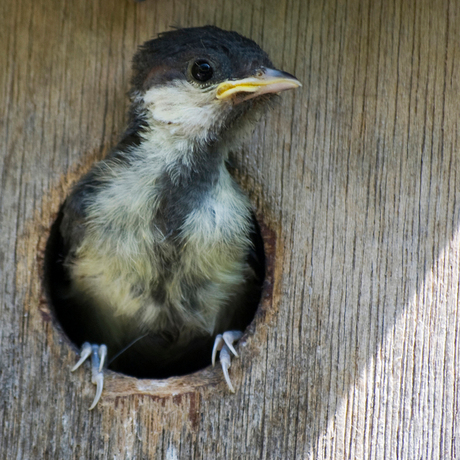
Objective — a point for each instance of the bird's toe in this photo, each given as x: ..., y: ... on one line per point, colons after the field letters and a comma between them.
x: 98, y: 356
x: 224, y: 343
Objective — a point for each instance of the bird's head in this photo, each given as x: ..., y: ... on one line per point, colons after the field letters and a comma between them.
x: 203, y: 85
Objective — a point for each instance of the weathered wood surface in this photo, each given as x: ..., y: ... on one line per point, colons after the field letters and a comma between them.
x: 357, y: 354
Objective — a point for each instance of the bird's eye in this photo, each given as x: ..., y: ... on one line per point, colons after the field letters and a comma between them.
x: 201, y: 70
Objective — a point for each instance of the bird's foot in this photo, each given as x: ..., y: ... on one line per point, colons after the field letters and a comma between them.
x: 98, y: 354
x: 224, y: 343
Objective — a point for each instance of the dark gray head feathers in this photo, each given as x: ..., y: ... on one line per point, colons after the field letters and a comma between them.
x: 169, y: 56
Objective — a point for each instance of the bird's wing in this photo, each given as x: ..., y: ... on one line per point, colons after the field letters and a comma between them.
x: 74, y: 313
x: 251, y: 295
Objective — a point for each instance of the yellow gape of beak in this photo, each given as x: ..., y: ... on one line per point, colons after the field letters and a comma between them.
x: 269, y: 81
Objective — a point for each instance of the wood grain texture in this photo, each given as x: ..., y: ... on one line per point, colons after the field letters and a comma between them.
x: 357, y: 353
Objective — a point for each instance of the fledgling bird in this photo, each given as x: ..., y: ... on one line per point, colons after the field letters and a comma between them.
x: 155, y: 249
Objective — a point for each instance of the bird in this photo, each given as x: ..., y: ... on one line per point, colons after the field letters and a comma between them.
x: 155, y: 263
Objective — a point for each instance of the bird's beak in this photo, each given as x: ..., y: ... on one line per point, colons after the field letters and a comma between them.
x: 264, y: 82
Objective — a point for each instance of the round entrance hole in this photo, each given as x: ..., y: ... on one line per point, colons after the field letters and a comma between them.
x: 79, y: 323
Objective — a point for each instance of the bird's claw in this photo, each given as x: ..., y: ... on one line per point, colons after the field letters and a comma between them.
x: 98, y: 355
x: 224, y: 343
